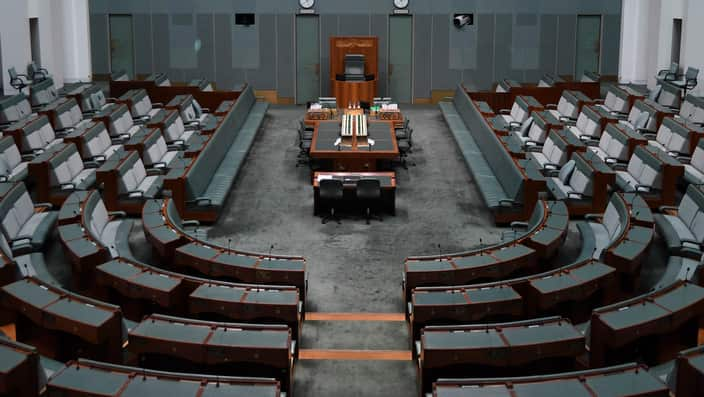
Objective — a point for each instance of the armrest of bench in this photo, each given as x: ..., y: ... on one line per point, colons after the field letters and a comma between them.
x: 507, y: 203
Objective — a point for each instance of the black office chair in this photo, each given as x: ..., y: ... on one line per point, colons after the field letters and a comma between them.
x: 402, y: 132
x: 688, y: 81
x: 669, y: 74
x: 18, y: 81
x: 331, y: 192
x: 405, y: 146
x: 307, y: 131
x: 304, y: 146
x: 364, y: 106
x: 369, y: 194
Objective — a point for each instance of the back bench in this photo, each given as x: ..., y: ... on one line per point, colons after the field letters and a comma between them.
x: 200, y: 190
x: 509, y: 191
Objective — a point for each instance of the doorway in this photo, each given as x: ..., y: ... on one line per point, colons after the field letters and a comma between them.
x: 676, y: 40
x: 400, y: 57
x: 122, y: 44
x: 34, y: 41
x: 307, y: 58
x: 588, y: 52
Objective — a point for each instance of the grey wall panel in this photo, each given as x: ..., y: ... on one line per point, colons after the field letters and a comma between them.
x: 225, y: 76
x: 503, y: 35
x: 380, y: 29
x: 610, y: 44
x: 286, y: 58
x: 143, y: 51
x: 443, y: 77
x: 160, y: 37
x: 99, y: 43
x: 206, y: 55
x: 421, y: 56
x: 548, y: 43
x: 264, y: 77
x: 566, y: 44
x: 354, y: 25
x: 328, y: 27
x: 483, y: 76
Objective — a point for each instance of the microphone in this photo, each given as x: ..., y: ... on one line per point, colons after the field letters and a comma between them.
x: 229, y: 245
x: 686, y: 276
x: 481, y: 247
x: 271, y: 247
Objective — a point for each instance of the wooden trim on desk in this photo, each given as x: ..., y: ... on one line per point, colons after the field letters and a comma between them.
x: 392, y: 175
x: 355, y: 152
x: 381, y: 317
x: 354, y: 355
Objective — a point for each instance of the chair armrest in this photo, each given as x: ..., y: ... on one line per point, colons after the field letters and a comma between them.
x: 28, y: 157
x: 99, y: 158
x: 533, y: 148
x: 505, y: 111
x: 174, y: 148
x: 619, y: 166
x: 664, y: 208
x: 599, y: 101
x: 154, y: 171
x: 205, y: 110
x: 117, y: 214
x: 517, y: 224
x: 201, y: 201
x: 67, y: 186
x: 650, y: 134
x: 190, y: 223
x: 684, y: 159
x: 551, y: 106
x: 135, y: 194
x: 532, y: 144
x: 593, y: 217
x: 644, y: 188
x: 91, y: 164
x: 3, y: 178
x: 575, y: 195
x: 44, y: 205
x: 551, y: 166
x: 157, y: 105
x: 507, y: 203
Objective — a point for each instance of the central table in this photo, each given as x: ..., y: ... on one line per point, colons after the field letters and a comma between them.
x: 354, y: 157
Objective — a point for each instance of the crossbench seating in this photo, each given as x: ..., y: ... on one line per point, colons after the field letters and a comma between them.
x: 118, y: 121
x: 651, y: 173
x: 619, y: 100
x: 174, y: 132
x: 200, y: 190
x: 669, y: 96
x: 154, y: 152
x: 658, y: 114
x: 692, y: 110
x: 13, y: 109
x: 25, y: 225
x: 570, y: 290
x: 540, y: 238
x: 60, y: 172
x: 652, y: 327
x: 64, y: 114
x: 591, y: 123
x: 33, y: 135
x: 159, y: 79
x: 140, y: 104
x: 555, y: 152
x: 640, y: 118
x: 127, y: 183
x: 94, y: 236
x: 174, y: 244
x: 617, y: 144
x: 681, y: 268
x: 93, y: 143
x: 623, y: 380
x: 141, y: 289
x: 583, y: 183
x: 569, y: 106
x: 550, y: 80
x: 676, y: 138
x: 62, y: 324
x: 682, y: 227
x: 13, y: 166
x: 533, y: 137
x: 521, y: 110
x: 42, y: 93
x: 202, y: 84
x: 694, y: 166
x: 89, y: 96
x: 621, y: 236
x: 509, y: 191
x: 171, y: 343
x: 506, y: 85
x: 90, y: 378
x: 193, y: 115
x: 688, y: 372
x: 543, y: 345
x: 22, y: 374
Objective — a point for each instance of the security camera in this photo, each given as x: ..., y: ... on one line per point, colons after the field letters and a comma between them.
x: 462, y: 20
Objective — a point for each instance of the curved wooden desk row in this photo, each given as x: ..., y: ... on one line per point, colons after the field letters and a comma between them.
x: 90, y: 378
x: 631, y: 380
x: 164, y: 230
x: 169, y: 343
x: 63, y: 325
x: 661, y: 323
x: 690, y: 372
x: 547, y: 230
x: 506, y: 349
x: 571, y: 291
x: 141, y: 289
x: 20, y: 373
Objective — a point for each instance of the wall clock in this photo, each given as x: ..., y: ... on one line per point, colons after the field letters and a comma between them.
x: 306, y: 3
x: 401, y: 3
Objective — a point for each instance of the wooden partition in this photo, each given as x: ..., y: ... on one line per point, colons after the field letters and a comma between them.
x: 207, y: 99
x: 544, y: 95
x: 353, y: 91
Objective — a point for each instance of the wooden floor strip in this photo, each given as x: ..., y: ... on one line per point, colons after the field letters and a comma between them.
x: 318, y: 316
x: 354, y: 355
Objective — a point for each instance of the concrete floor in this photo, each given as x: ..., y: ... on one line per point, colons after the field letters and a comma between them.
x: 354, y: 267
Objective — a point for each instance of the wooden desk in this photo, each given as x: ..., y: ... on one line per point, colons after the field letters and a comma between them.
x: 313, y: 117
x: 354, y: 158
x: 349, y: 180
x: 348, y: 92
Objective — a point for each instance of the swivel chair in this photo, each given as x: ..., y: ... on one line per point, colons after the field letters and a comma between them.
x: 369, y: 194
x: 331, y: 193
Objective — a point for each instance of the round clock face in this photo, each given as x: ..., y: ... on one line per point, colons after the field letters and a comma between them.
x: 306, y: 3
x: 401, y: 3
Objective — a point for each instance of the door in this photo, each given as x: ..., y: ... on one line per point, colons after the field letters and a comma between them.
x: 400, y: 57
x: 121, y: 44
x: 307, y: 58
x: 588, y: 44
x: 34, y: 41
x: 676, y: 40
